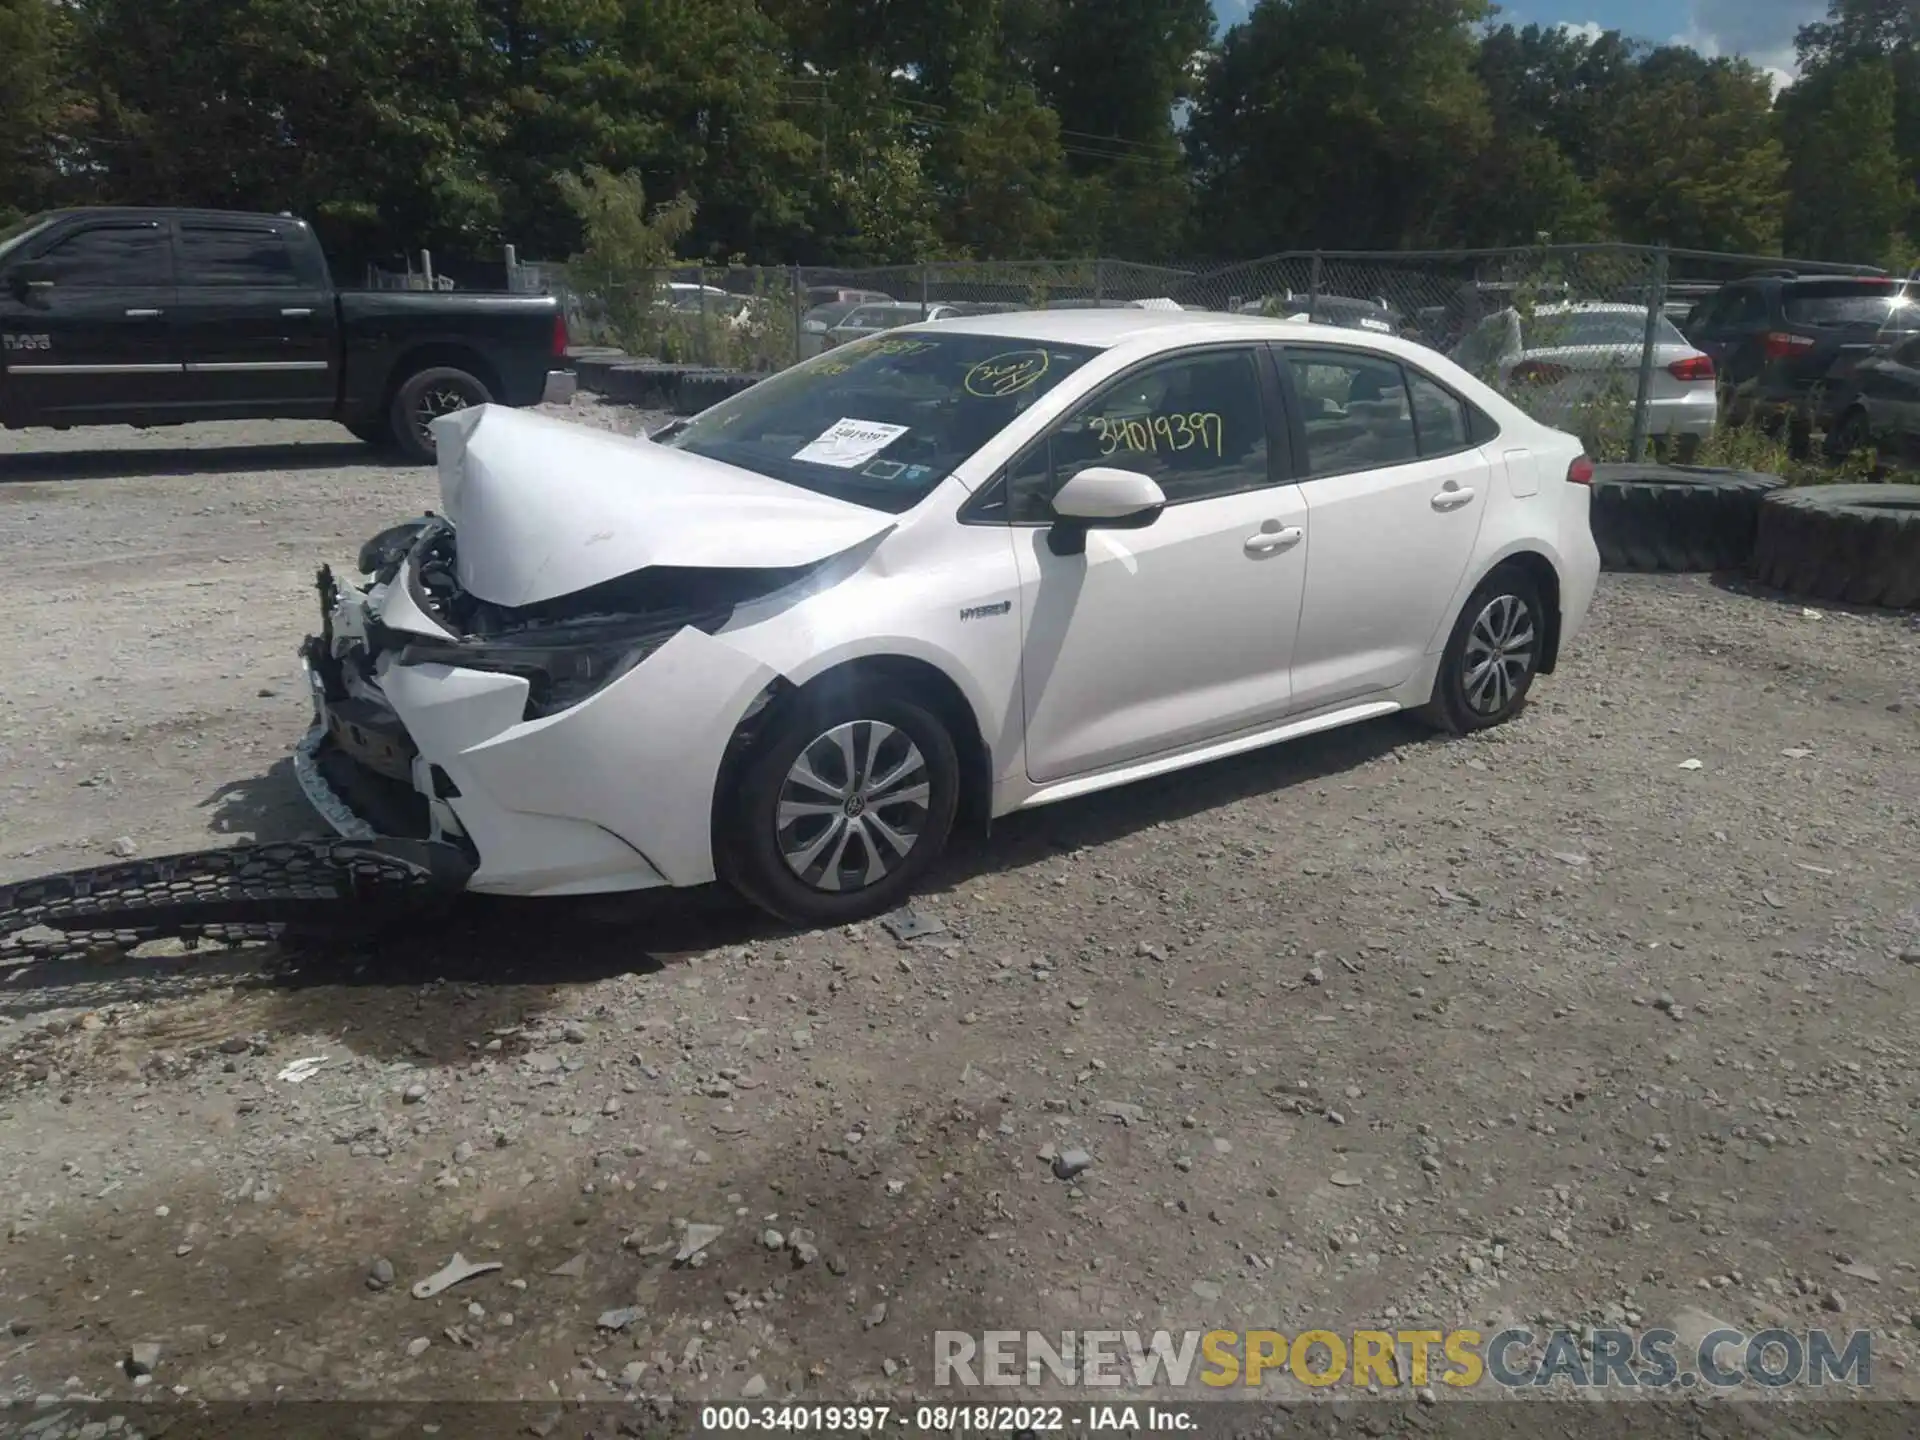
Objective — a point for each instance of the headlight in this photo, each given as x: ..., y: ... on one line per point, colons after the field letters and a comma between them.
x: 561, y: 665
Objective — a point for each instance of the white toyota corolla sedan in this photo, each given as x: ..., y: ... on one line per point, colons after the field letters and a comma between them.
x: 954, y: 571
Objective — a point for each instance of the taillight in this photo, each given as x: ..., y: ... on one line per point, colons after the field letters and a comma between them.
x: 1538, y: 372
x: 559, y: 334
x: 1694, y: 367
x: 1580, y: 472
x: 1778, y: 345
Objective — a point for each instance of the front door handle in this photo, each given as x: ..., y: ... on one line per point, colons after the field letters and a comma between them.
x: 300, y: 313
x: 143, y: 314
x: 1453, y: 497
x: 1271, y: 542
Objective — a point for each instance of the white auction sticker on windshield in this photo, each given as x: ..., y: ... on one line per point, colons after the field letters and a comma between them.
x: 849, y: 444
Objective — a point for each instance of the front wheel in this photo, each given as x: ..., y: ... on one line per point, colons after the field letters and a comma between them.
x: 841, y: 809
x: 1491, y: 657
x: 423, y: 398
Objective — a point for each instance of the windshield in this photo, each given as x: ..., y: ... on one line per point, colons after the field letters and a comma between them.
x: 881, y: 421
x: 1834, y: 304
x: 13, y: 234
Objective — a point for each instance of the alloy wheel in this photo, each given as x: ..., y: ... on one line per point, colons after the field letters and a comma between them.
x: 853, y: 805
x: 444, y: 397
x: 1499, y: 653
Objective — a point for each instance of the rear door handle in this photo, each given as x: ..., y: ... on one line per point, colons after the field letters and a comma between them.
x: 1452, y: 498
x: 143, y: 314
x: 299, y: 313
x: 1271, y: 542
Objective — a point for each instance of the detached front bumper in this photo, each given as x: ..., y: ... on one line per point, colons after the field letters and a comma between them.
x: 614, y: 794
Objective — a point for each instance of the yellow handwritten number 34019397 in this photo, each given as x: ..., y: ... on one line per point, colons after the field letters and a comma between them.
x: 1153, y: 433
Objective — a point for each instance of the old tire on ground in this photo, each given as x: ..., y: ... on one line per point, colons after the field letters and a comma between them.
x: 1857, y: 544
x: 1676, y: 517
x: 1492, y: 655
x: 424, y: 397
x: 840, y: 808
x: 703, y: 389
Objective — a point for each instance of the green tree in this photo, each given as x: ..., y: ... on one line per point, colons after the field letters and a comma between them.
x: 358, y: 113
x: 35, y: 105
x: 1851, y: 195
x: 1339, y: 123
x: 1114, y: 71
x: 1692, y: 158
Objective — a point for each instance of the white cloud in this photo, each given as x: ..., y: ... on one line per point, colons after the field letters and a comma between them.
x: 1761, y: 30
x: 1584, y: 30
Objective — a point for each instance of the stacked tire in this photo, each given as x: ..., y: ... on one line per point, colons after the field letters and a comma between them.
x: 702, y: 389
x: 1677, y: 517
x: 1853, y: 544
x: 646, y: 384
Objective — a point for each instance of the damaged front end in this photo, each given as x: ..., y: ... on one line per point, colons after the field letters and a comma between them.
x: 540, y: 675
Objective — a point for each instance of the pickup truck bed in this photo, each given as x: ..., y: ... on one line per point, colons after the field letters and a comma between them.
x: 160, y: 317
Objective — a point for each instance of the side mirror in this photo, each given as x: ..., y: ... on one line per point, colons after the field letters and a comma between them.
x: 1106, y: 498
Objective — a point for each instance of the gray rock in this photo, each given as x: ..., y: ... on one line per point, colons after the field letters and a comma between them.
x: 1069, y: 1163
x: 618, y: 1319
x: 754, y: 1388
x: 877, y: 1316
x: 805, y: 1253
x: 630, y: 1375
x: 234, y: 1045
x: 573, y: 1269
x: 418, y: 1346
x: 773, y: 1240
x: 697, y: 1238
x: 380, y: 1274
x: 124, y: 847
x: 1315, y: 975
x: 143, y: 1358
x: 574, y: 1034
x: 414, y: 1094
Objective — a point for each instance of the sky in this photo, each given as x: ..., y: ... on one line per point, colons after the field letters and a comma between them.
x: 1762, y: 30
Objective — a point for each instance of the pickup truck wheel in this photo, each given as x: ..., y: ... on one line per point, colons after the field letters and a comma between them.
x: 423, y: 398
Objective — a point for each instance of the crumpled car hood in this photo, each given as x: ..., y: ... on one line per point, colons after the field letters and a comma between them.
x: 542, y: 508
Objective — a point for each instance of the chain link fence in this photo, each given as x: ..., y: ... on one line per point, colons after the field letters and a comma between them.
x: 1589, y: 338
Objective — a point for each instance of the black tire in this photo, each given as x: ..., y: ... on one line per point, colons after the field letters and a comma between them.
x: 376, y: 433
x: 1676, y: 517
x: 1453, y: 708
x: 426, y: 395
x: 1855, y: 544
x: 703, y: 389
x: 751, y: 845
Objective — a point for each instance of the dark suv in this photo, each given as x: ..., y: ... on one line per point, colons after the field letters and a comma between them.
x: 1784, y: 345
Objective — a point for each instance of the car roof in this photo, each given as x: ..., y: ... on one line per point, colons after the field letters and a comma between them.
x: 155, y: 212
x: 1589, y: 307
x: 1105, y: 329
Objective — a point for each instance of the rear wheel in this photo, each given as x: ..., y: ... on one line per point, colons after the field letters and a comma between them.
x: 1491, y: 657
x: 423, y: 398
x: 841, y: 809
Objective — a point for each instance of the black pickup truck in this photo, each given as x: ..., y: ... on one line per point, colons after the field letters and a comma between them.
x: 163, y: 316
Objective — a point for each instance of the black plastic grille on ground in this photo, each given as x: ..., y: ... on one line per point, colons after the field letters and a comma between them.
x: 246, y: 892
x: 1857, y: 544
x: 1676, y: 517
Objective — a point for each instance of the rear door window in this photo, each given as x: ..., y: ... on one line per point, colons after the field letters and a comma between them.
x: 252, y: 257
x: 1354, y: 409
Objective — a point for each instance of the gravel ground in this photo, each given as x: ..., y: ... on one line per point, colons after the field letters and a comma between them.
x: 1551, y: 1023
